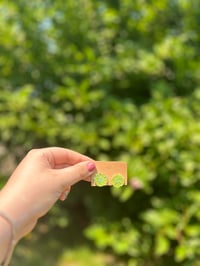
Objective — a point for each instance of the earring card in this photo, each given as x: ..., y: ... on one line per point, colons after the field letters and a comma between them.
x: 110, y: 173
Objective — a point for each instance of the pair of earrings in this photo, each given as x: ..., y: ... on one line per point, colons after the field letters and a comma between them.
x: 100, y: 180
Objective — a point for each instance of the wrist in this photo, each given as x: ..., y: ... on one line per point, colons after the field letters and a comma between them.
x: 5, y: 236
x: 16, y: 210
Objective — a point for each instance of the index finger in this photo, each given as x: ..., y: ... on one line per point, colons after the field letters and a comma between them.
x: 61, y: 156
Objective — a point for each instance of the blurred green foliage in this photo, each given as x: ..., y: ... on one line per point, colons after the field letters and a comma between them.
x: 116, y: 80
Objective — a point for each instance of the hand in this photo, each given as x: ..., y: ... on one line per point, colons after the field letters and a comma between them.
x: 39, y: 181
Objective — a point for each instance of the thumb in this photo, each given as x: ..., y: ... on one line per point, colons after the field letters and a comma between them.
x: 77, y: 172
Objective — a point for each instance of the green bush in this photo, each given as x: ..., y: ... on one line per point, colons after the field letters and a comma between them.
x: 116, y: 80
x: 161, y: 216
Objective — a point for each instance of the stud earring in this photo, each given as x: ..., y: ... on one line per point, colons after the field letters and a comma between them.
x: 100, y: 179
x: 117, y: 180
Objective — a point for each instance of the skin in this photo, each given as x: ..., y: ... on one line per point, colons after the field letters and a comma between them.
x: 42, y: 177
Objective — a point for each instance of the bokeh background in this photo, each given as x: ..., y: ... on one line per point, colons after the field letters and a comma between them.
x: 116, y: 80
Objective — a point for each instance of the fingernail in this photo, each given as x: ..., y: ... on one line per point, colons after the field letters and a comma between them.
x: 66, y: 194
x: 91, y: 166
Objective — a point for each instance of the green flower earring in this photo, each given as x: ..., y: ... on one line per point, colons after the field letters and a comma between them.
x: 100, y: 179
x: 117, y: 180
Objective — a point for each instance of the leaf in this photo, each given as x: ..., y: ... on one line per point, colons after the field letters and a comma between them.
x: 162, y: 245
